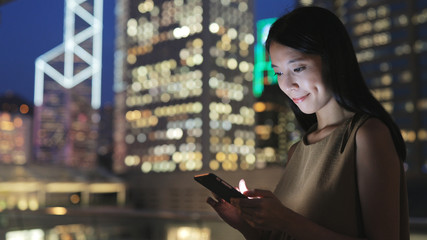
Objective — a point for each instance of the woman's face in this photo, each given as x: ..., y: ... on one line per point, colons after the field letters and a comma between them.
x: 299, y: 76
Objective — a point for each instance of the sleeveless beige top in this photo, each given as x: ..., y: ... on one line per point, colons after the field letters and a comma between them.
x: 320, y: 183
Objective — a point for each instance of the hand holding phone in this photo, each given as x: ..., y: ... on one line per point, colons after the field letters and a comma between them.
x: 218, y: 186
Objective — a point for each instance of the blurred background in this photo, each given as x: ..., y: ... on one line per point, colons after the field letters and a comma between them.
x: 109, y: 108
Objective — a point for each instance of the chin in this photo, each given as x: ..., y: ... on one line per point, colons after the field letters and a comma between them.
x: 307, y: 111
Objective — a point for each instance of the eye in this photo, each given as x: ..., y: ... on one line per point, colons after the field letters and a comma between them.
x: 299, y: 69
x: 278, y: 73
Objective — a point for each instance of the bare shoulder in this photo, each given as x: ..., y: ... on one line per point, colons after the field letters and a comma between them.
x: 372, y: 128
x: 375, y: 135
x: 375, y: 145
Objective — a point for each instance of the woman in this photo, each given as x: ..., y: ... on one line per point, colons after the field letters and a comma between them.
x: 345, y: 179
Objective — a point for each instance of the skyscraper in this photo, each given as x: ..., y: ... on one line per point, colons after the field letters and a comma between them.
x: 184, y: 86
x: 67, y: 90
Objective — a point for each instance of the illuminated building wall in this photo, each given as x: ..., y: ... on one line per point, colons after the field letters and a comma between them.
x: 389, y: 39
x: 15, y: 131
x: 184, y: 86
x: 67, y: 90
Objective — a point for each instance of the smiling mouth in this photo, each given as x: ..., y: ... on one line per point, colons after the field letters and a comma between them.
x: 300, y: 99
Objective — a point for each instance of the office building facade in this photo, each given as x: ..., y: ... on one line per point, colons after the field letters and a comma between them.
x: 184, y: 97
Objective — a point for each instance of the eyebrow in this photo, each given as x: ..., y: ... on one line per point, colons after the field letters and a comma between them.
x: 291, y: 61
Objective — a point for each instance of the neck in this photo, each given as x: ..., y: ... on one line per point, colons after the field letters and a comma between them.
x: 333, y: 116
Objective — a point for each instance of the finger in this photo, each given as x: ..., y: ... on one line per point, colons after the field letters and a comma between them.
x: 247, y: 203
x: 237, y: 202
x: 211, y: 202
x: 215, y: 203
x: 215, y: 196
x: 259, y: 193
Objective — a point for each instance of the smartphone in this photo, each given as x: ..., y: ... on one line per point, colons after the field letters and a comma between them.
x: 218, y: 186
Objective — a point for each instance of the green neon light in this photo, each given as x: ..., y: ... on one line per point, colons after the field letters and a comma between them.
x: 263, y: 73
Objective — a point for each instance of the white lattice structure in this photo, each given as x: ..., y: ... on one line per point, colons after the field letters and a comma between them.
x: 74, y: 52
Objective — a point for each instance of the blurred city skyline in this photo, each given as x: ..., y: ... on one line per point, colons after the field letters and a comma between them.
x: 26, y: 33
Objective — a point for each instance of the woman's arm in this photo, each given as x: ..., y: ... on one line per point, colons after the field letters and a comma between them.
x: 378, y: 174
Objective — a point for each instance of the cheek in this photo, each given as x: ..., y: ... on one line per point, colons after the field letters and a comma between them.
x: 284, y: 89
x: 317, y: 86
x: 281, y: 86
x: 323, y: 93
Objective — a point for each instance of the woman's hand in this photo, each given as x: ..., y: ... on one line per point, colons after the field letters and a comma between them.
x: 263, y: 211
x: 228, y: 213
x: 233, y: 218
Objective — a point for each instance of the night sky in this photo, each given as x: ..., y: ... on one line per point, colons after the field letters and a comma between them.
x: 30, y: 28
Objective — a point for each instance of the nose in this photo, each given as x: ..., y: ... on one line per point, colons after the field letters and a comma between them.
x: 287, y: 83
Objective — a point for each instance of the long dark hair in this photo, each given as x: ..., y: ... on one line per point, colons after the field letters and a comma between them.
x: 315, y: 30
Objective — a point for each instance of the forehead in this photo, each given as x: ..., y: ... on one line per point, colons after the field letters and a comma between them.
x: 280, y: 53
